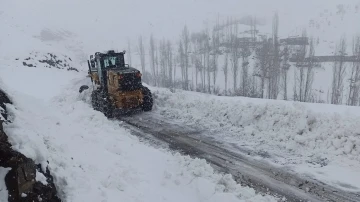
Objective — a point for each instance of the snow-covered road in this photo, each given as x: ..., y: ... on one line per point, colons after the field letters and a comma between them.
x: 258, y: 174
x: 93, y: 158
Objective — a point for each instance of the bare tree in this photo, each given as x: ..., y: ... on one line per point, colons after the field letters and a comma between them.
x: 215, y: 46
x: 300, y: 78
x: 338, y: 73
x: 208, y: 63
x: 310, y: 72
x: 175, y: 58
x: 186, y: 47
x: 274, y: 72
x: 198, y: 40
x: 284, y: 70
x: 225, y: 70
x: 235, y: 53
x: 170, y: 62
x: 163, y: 63
x: 263, y: 63
x: 181, y: 56
x: 129, y: 53
x: 354, y: 86
x: 152, y: 59
x: 141, y: 51
x: 245, y: 82
x: 202, y: 60
x: 254, y: 92
x: 226, y: 59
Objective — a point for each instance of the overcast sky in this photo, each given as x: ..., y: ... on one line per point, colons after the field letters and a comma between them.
x: 118, y: 19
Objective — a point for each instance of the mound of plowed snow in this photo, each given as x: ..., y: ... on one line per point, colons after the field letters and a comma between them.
x: 317, y: 135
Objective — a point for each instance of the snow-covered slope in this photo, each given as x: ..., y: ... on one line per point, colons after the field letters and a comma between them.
x: 319, y: 139
x: 94, y: 159
x: 90, y: 157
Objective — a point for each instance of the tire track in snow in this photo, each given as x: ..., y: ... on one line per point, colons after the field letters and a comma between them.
x: 261, y: 176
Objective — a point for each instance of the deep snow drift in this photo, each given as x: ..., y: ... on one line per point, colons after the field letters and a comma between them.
x: 317, y: 139
x: 93, y: 158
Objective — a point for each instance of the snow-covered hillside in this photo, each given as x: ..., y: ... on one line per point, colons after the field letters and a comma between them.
x: 90, y: 157
x: 93, y: 158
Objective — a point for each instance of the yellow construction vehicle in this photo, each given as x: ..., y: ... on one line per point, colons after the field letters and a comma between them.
x: 117, y: 87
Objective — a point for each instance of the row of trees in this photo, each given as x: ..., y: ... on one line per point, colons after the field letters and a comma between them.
x: 257, y: 66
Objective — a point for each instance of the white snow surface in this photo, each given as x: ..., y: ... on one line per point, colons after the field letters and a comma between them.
x: 3, y: 190
x: 41, y: 178
x: 320, y: 140
x: 95, y: 159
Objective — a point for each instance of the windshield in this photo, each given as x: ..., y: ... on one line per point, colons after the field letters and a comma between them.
x: 118, y: 61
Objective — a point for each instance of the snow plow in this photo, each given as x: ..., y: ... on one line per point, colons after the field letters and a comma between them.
x: 117, y: 87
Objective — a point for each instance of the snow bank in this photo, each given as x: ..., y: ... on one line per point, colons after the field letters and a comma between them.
x: 93, y: 158
x: 288, y: 132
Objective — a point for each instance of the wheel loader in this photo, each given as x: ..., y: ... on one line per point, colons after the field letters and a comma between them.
x: 117, y: 87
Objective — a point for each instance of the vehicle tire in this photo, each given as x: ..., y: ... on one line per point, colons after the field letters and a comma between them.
x: 82, y: 88
x: 147, y: 99
x: 95, y: 100
x: 108, y: 109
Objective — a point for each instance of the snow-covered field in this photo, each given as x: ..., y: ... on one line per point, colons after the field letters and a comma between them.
x: 93, y: 158
x: 316, y: 139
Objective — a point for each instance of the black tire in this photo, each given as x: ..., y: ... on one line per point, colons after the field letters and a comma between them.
x: 95, y: 100
x: 101, y: 103
x: 82, y: 88
x: 108, y: 109
x: 147, y: 100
